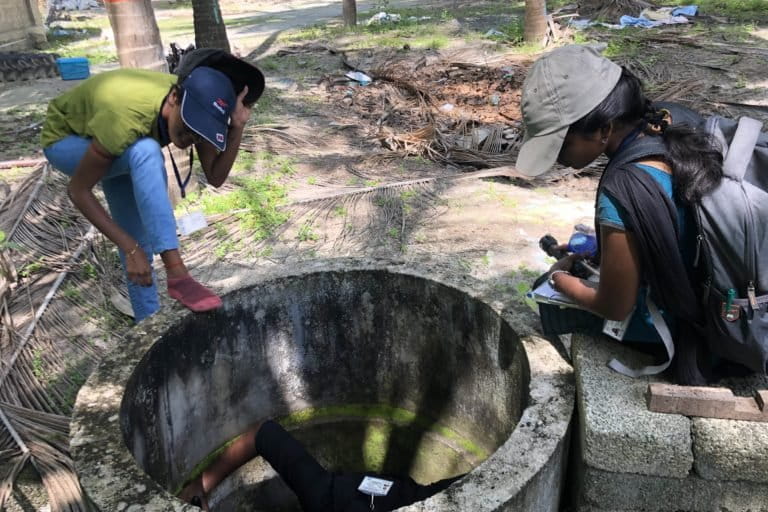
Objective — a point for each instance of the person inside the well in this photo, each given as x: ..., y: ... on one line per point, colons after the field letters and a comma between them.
x: 110, y: 130
x: 317, y: 489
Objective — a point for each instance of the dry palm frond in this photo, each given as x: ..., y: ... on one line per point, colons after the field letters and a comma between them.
x: 424, y: 142
x: 44, y: 358
x: 681, y: 91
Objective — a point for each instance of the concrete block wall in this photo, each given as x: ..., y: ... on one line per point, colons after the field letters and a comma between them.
x: 21, y: 26
x: 627, y: 458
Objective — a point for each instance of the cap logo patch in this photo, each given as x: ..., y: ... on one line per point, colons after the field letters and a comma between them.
x: 220, y: 138
x: 221, y: 105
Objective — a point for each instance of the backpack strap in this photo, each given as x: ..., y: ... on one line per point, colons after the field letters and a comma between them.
x: 666, y: 337
x: 741, y: 147
x: 643, y: 147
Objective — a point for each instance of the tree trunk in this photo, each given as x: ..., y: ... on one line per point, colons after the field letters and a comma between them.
x: 349, y: 10
x: 535, y: 29
x: 210, y: 31
x: 137, y: 37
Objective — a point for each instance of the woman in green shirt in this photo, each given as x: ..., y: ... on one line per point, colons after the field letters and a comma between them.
x: 110, y: 130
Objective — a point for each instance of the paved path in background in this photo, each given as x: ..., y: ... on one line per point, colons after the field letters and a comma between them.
x: 268, y: 21
x: 263, y: 23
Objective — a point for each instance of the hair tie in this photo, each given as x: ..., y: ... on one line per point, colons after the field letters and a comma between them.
x: 657, y: 121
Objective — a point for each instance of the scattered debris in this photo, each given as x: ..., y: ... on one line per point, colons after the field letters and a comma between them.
x: 425, y: 104
x: 383, y: 17
x: 359, y: 77
x: 495, y: 33
x: 74, y: 5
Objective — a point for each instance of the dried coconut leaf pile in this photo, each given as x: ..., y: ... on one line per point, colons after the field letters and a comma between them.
x: 427, y: 104
x: 56, y: 279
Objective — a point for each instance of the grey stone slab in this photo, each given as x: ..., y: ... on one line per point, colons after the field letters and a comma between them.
x: 604, y: 491
x: 617, y: 431
x: 731, y: 450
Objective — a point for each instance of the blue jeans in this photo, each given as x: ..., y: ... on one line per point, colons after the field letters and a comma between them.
x: 136, y: 190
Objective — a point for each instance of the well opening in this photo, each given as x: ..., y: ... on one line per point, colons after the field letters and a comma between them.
x: 373, y: 367
x: 373, y: 371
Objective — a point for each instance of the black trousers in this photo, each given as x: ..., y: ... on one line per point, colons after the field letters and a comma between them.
x: 319, y: 490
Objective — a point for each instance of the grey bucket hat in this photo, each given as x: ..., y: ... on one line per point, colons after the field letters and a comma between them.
x: 562, y: 87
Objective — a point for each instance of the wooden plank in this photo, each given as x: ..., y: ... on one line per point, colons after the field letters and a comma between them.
x: 706, y: 402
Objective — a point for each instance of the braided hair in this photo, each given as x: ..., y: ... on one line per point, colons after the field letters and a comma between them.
x: 693, y: 156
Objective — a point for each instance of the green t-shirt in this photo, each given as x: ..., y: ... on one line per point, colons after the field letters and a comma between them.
x: 116, y: 108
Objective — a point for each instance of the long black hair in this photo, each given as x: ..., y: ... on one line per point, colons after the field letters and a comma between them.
x: 697, y: 163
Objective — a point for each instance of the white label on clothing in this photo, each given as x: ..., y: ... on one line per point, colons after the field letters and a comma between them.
x: 616, y: 328
x: 375, y: 486
x: 191, y: 222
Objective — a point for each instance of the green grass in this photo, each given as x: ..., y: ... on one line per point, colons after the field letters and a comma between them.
x: 432, y: 33
x: 88, y: 271
x: 283, y: 165
x: 83, y: 40
x: 624, y: 46
x: 244, y: 162
x: 306, y: 233
x: 266, y: 107
x: 258, y: 201
x: 271, y: 63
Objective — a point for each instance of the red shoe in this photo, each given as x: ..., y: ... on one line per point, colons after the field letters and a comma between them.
x: 192, y: 294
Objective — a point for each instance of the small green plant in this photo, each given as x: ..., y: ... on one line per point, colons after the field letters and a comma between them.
x: 89, y: 271
x: 393, y: 233
x: 257, y: 201
x: 71, y: 292
x: 245, y: 161
x: 513, y: 31
x: 306, y: 233
x: 76, y: 380
x: 264, y: 253
x: 31, y: 268
x: 522, y: 290
x: 224, y: 248
x: 37, y: 364
x: 339, y: 211
x: 312, y: 180
x: 276, y: 163
x: 270, y: 63
x: 623, y: 47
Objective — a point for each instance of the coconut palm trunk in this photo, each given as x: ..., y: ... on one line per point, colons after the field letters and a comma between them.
x: 210, y: 31
x: 349, y: 10
x: 535, y: 30
x: 137, y: 37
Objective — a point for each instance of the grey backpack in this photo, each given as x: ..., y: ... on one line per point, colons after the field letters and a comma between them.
x: 733, y: 245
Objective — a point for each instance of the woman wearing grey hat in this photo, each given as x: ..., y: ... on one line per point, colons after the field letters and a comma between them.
x: 578, y: 105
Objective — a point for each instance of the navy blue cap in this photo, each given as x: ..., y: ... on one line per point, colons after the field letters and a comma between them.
x: 209, y: 98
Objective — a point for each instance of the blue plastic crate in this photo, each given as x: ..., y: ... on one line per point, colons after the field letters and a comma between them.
x: 73, y: 68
